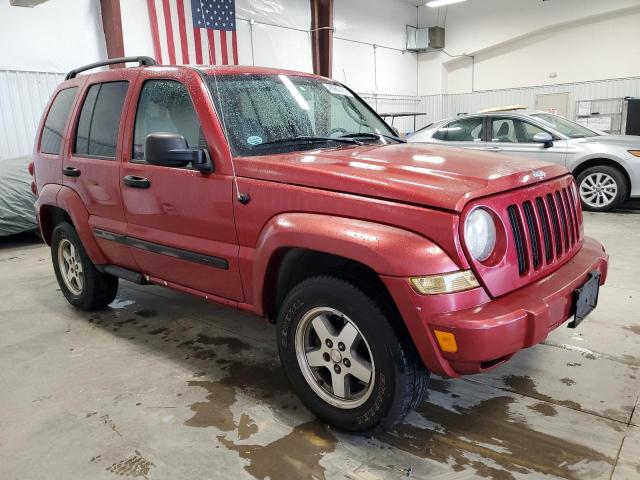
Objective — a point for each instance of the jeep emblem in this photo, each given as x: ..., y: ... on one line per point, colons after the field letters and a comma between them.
x: 539, y: 174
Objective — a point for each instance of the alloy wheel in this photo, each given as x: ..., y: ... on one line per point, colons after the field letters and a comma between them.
x: 598, y: 190
x: 334, y: 357
x: 70, y: 266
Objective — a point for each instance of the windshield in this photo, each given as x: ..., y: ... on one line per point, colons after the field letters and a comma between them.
x: 265, y: 114
x: 564, y: 126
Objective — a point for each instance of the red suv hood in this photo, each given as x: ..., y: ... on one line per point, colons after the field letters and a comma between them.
x: 440, y: 177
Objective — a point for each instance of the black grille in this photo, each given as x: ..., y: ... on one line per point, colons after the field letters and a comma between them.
x: 518, y: 237
x: 533, y: 233
x: 546, y: 235
x: 536, y: 229
x: 556, y: 227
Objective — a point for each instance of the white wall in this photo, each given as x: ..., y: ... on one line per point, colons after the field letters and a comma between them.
x: 55, y: 36
x: 521, y: 42
x: 369, y: 43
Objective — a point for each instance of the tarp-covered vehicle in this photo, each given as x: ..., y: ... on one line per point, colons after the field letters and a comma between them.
x: 17, y: 213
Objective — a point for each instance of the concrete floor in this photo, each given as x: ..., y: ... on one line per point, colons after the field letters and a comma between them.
x: 162, y: 385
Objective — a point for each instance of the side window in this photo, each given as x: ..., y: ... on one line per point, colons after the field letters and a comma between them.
x: 56, y: 119
x: 464, y: 130
x: 528, y: 131
x: 503, y: 130
x: 99, y: 123
x: 165, y: 106
x: 513, y: 130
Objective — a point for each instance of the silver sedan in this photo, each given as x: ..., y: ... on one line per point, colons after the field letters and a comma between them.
x: 606, y: 167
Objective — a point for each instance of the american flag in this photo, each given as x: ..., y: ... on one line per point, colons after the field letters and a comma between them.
x: 201, y: 32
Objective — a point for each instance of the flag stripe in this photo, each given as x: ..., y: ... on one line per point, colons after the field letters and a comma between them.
x: 169, y: 29
x: 223, y: 47
x: 234, y: 46
x: 153, y: 18
x: 182, y: 28
x: 188, y: 23
x: 212, y: 47
x: 198, y: 43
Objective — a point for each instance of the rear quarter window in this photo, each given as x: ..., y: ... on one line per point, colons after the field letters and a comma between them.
x: 53, y: 129
x: 98, y: 126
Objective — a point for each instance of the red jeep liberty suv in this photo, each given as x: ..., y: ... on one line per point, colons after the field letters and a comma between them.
x: 284, y: 194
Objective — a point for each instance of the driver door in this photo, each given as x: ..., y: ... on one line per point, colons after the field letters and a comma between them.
x: 180, y: 223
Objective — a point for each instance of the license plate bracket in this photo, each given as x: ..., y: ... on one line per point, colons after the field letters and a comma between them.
x: 585, y: 298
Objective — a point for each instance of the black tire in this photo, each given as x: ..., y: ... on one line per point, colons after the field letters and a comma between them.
x: 399, y: 379
x: 620, y: 182
x: 98, y: 289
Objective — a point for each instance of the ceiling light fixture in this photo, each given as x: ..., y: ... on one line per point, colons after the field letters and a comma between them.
x: 440, y: 3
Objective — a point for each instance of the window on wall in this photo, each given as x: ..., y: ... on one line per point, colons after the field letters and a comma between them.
x: 56, y: 119
x: 99, y: 123
x: 165, y: 106
x: 513, y: 130
x: 464, y: 130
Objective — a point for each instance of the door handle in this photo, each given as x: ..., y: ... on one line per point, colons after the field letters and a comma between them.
x: 71, y: 172
x: 494, y: 149
x: 136, y: 182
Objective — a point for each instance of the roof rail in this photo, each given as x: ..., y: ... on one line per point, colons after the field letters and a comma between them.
x: 141, y: 61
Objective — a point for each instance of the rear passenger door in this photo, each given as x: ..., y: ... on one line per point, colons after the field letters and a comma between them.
x: 465, y: 133
x: 514, y: 136
x: 92, y: 164
x: 180, y: 223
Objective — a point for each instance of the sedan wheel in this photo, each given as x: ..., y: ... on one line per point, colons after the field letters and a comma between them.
x: 598, y: 190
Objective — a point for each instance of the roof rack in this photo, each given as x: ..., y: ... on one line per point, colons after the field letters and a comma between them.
x: 142, y: 61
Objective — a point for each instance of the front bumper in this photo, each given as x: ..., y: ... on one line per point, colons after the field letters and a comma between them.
x: 489, y: 331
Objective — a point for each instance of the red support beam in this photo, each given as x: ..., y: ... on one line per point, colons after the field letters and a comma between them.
x: 322, y: 36
x: 112, y: 25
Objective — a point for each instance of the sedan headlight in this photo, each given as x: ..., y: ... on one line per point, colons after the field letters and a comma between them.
x: 480, y: 234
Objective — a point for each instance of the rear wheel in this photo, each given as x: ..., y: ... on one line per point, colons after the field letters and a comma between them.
x: 602, y: 188
x: 345, y: 359
x: 81, y: 283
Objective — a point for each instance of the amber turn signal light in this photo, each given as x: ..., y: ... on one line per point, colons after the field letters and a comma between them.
x: 447, y: 341
x: 635, y: 153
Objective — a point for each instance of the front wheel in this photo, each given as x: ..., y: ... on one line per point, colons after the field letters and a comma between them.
x: 81, y: 283
x: 346, y: 361
x: 602, y: 188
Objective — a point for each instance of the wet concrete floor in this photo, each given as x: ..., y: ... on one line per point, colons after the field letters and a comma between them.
x: 163, y: 385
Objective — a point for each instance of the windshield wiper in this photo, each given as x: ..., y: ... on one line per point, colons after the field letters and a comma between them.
x: 372, y: 135
x: 308, y: 139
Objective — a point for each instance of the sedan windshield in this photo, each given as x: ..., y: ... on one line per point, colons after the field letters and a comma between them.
x: 564, y: 126
x: 265, y: 114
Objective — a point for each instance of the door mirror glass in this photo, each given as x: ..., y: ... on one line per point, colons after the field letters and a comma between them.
x: 171, y: 150
x: 544, y: 138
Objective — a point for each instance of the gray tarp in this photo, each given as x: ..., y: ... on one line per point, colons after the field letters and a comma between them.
x: 17, y: 213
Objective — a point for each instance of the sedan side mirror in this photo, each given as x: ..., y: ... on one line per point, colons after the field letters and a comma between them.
x: 545, y: 138
x: 172, y: 150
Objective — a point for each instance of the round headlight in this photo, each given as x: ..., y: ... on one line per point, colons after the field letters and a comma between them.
x: 480, y: 234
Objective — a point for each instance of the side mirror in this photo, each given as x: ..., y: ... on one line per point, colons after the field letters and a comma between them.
x: 172, y: 150
x: 545, y: 138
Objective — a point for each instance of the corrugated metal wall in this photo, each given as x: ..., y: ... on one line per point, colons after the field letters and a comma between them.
x: 441, y: 106
x: 23, y: 96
